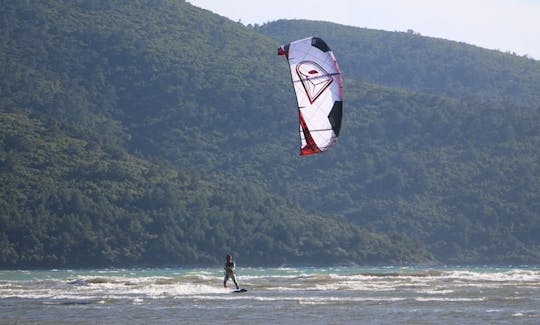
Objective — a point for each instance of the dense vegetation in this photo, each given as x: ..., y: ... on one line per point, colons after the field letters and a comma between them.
x: 417, y: 63
x: 156, y: 133
x: 450, y: 156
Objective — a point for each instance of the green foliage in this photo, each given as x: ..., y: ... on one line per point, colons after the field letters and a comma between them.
x: 421, y: 64
x: 65, y: 205
x: 143, y: 133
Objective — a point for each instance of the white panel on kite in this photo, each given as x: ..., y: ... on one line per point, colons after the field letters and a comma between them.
x: 319, y: 92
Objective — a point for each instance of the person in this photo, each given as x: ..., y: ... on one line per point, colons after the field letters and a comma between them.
x: 230, y: 272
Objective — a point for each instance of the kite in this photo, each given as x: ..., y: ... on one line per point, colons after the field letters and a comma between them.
x: 318, y: 87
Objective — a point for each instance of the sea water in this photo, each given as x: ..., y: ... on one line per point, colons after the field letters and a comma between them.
x: 334, y: 295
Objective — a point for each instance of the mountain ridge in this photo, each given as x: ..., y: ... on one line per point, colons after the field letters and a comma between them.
x: 378, y: 57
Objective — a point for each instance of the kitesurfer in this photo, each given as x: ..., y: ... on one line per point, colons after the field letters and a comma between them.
x: 230, y: 271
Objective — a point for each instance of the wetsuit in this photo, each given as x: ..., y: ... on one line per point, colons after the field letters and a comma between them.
x: 229, y: 273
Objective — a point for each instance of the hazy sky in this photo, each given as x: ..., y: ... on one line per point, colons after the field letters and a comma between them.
x: 506, y: 25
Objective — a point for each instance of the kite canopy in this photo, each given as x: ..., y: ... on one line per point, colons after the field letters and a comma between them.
x: 319, y: 92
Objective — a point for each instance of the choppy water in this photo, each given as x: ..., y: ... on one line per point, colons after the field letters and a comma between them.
x: 275, y: 295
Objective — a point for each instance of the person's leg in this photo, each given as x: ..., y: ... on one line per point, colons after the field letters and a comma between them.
x: 225, y: 280
x: 234, y: 280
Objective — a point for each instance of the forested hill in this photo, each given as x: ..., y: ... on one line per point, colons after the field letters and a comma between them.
x: 119, y: 123
x: 148, y: 133
x: 411, y: 61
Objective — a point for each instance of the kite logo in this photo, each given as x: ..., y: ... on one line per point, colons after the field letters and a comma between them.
x: 314, y: 79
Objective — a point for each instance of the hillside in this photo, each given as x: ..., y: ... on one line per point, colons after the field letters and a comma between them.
x: 69, y: 201
x: 157, y: 133
x: 422, y: 64
x: 97, y: 108
x: 441, y: 156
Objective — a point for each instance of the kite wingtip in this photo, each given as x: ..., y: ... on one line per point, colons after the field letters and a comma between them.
x: 283, y: 50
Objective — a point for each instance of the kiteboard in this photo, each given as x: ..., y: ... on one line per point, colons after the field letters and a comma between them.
x: 240, y: 290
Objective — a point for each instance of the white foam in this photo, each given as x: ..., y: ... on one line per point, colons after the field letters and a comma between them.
x: 513, y: 275
x: 436, y: 291
x: 447, y: 299
x: 138, y: 301
x: 104, y: 285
